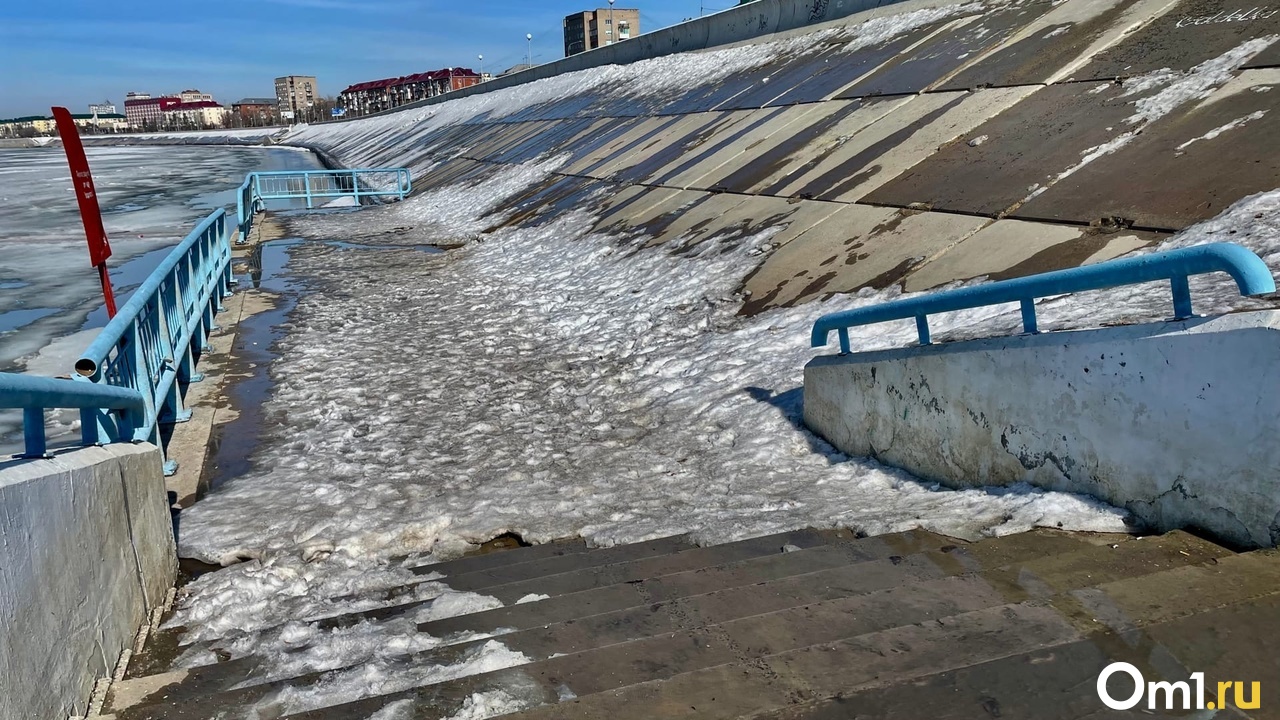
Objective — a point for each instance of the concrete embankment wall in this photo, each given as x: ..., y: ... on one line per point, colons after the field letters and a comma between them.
x: 1174, y: 421
x: 916, y: 144
x: 86, y: 555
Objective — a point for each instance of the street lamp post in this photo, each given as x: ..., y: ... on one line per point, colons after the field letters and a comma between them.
x: 528, y: 58
x: 481, y: 67
x: 612, y: 30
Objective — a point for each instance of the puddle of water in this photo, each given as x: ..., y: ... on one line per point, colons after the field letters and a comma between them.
x: 15, y: 319
x: 12, y: 284
x: 265, y: 268
x: 232, y: 444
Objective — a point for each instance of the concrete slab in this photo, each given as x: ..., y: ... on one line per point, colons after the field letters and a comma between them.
x: 642, y: 205
x: 696, y: 222
x: 628, y: 136
x: 546, y: 203
x: 1189, y: 33
x: 756, y: 215
x: 1014, y: 248
x: 909, y: 135
x: 935, y: 59
x: 86, y: 555
x: 857, y: 247
x: 1002, y: 161
x: 745, y: 135
x: 1118, y: 413
x: 1206, y: 157
x: 813, y: 132
x: 497, y: 137
x: 1055, y: 43
x: 777, y: 78
x: 546, y: 139
x: 671, y: 146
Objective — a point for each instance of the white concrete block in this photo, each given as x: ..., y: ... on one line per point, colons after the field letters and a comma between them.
x: 86, y: 552
x: 1174, y: 421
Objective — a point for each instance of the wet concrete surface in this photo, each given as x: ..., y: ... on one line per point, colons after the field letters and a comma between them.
x: 947, y: 51
x: 1199, y: 176
x: 1188, y: 34
x: 1020, y: 150
x: 1040, y: 50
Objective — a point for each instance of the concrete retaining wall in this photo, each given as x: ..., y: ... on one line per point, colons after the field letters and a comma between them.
x: 1175, y: 422
x: 737, y: 24
x: 86, y: 552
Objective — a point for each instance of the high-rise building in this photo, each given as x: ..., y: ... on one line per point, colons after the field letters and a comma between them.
x: 591, y: 29
x: 295, y: 95
x: 106, y: 107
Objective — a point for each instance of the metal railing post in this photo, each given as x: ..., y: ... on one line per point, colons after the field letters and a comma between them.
x: 33, y: 433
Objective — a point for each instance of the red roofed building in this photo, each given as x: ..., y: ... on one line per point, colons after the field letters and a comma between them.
x: 171, y: 113
x: 378, y: 95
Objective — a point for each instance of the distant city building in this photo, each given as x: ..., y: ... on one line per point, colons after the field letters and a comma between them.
x: 88, y: 123
x: 106, y: 107
x: 378, y: 95
x: 254, y: 112
x: 295, y: 95
x: 591, y: 29
x: 27, y: 126
x: 171, y: 112
x: 194, y: 96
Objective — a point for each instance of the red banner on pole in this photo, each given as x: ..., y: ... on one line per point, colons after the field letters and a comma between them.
x: 87, y: 197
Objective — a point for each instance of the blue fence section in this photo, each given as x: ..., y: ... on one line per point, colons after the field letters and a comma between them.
x: 34, y: 394
x: 134, y: 375
x: 312, y: 185
x: 1251, y: 274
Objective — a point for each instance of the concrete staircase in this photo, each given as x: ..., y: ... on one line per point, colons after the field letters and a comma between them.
x: 813, y: 624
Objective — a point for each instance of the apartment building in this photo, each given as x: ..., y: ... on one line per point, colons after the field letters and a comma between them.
x: 591, y: 29
x: 295, y: 95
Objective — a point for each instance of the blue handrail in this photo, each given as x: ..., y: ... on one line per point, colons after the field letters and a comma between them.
x: 150, y: 347
x: 34, y: 394
x: 308, y: 185
x: 1251, y: 274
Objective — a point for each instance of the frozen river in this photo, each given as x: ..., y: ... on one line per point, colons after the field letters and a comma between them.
x: 50, y: 301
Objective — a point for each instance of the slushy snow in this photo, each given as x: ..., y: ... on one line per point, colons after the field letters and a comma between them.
x: 553, y: 381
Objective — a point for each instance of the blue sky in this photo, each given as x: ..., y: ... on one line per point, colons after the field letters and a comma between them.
x: 73, y: 52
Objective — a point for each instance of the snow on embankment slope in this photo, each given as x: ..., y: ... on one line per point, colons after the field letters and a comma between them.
x: 583, y: 367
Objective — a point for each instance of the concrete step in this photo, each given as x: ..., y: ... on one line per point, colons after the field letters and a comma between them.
x: 785, y: 579
x: 1059, y: 683
x: 624, y: 595
x: 594, y: 572
x: 692, y: 646
x: 574, y: 573
x: 728, y: 591
x: 594, y: 654
x: 1205, y: 611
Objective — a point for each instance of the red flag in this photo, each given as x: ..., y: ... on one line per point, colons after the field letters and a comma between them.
x: 87, y: 197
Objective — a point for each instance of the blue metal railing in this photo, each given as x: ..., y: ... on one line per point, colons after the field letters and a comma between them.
x: 152, y: 344
x: 135, y: 373
x: 34, y: 394
x: 1251, y: 274
x: 311, y: 185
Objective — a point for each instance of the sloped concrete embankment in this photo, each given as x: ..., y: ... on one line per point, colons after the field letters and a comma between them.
x: 86, y: 557
x: 916, y: 144
x: 1168, y: 420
